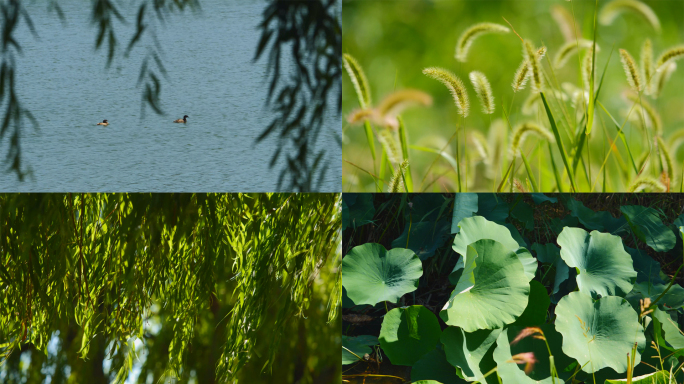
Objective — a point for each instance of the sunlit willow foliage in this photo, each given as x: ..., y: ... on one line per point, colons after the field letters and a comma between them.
x: 513, y: 289
x: 308, y: 29
x: 560, y: 136
x: 311, y: 31
x: 213, y: 271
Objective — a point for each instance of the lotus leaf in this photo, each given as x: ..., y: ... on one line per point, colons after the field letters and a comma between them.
x: 465, y: 204
x: 647, y: 226
x: 371, y: 274
x: 357, y: 209
x: 471, y: 352
x: 476, y: 228
x: 538, y: 304
x: 434, y: 366
x: 658, y: 377
x: 603, y: 266
x: 425, y: 237
x: 673, y: 298
x: 356, y: 346
x: 492, y: 291
x: 492, y: 207
x: 669, y: 332
x: 549, y: 253
x: 540, y: 370
x: 409, y: 333
x: 540, y: 198
x: 585, y: 215
x: 599, y: 333
x: 524, y: 214
x: 647, y: 268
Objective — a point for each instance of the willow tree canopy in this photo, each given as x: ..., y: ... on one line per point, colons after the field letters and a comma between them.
x: 112, y: 263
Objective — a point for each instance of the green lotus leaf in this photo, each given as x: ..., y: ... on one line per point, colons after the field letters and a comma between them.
x: 516, y: 234
x: 524, y: 214
x: 603, y: 266
x: 540, y: 371
x: 371, y: 274
x: 549, y: 253
x: 471, y: 352
x: 476, y: 228
x: 585, y: 215
x: 465, y: 204
x: 427, y: 207
x: 668, y: 333
x: 425, y: 238
x: 434, y: 366
x: 357, y: 209
x: 647, y: 268
x: 528, y: 261
x: 557, y: 224
x: 540, y: 198
x: 658, y: 377
x: 356, y: 346
x: 599, y: 333
x: 647, y: 226
x: 673, y: 298
x: 492, y: 207
x: 492, y: 291
x: 408, y: 333
x: 538, y: 304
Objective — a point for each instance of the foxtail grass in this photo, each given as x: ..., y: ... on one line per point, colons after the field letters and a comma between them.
x: 525, y: 129
x: 631, y: 70
x: 565, y: 21
x: 661, y: 77
x: 396, y: 184
x: 455, y: 86
x: 535, y: 66
x: 615, y: 8
x: 390, y: 145
x: 483, y: 91
x: 665, y: 153
x: 465, y: 41
x: 522, y: 74
x: 646, y: 182
x: 358, y: 79
x: 646, y: 58
x: 570, y: 48
x: 651, y: 113
x: 670, y: 55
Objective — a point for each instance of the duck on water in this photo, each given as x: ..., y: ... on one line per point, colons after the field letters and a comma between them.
x: 104, y: 122
x: 183, y: 120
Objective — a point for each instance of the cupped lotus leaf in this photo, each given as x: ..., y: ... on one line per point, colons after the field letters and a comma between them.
x: 669, y: 335
x: 476, y: 228
x: 425, y: 237
x: 471, y: 351
x: 434, y: 366
x: 371, y: 274
x: 604, y: 267
x: 537, y: 305
x: 465, y: 204
x: 550, y: 253
x: 357, y: 209
x: 532, y: 349
x: 408, y: 333
x: 354, y: 348
x: 647, y: 226
x: 540, y: 198
x: 528, y: 261
x: 599, y: 333
x: 492, y: 207
x: 492, y: 291
x: 658, y: 377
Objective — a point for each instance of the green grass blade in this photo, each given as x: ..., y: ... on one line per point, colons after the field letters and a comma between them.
x: 559, y: 142
x: 403, y: 138
x: 529, y: 173
x: 622, y: 137
x: 555, y: 170
x: 590, y: 112
x: 371, y: 141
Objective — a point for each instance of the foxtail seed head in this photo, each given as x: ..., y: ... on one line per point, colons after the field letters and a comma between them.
x: 633, y: 77
x: 525, y: 129
x: 646, y: 58
x: 358, y: 79
x: 532, y: 57
x: 483, y: 91
x: 455, y: 86
x: 669, y: 56
x: 616, y: 7
x: 570, y: 48
x: 469, y: 35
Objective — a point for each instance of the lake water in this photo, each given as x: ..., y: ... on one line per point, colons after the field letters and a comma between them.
x: 211, y: 78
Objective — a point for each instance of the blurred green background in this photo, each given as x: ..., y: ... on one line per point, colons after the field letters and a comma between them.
x: 394, y: 40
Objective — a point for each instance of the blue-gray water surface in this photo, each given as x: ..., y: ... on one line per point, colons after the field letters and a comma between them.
x: 212, y: 78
